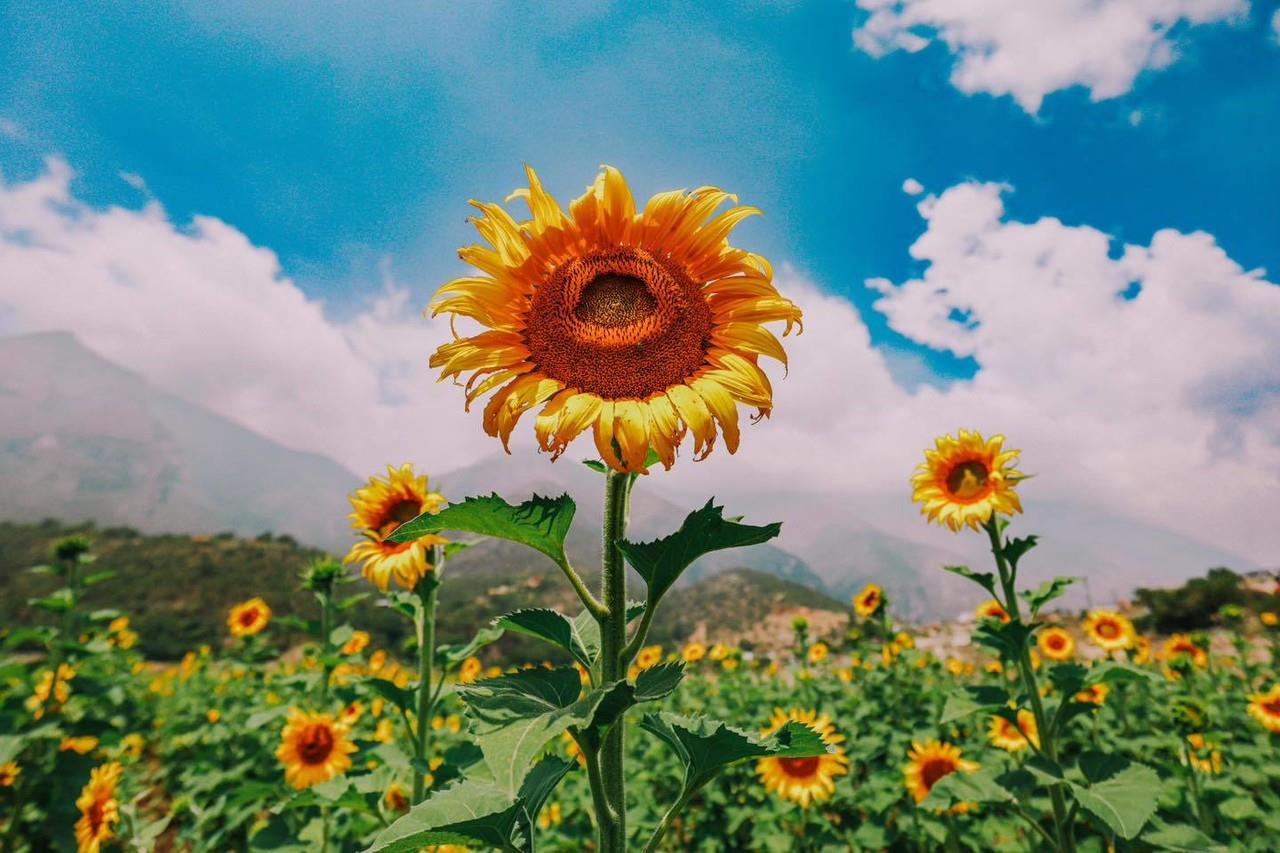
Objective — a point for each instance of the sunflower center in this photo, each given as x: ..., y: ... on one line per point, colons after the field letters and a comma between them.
x: 400, y: 512
x: 1108, y: 630
x: 968, y: 479
x: 934, y: 769
x: 615, y: 300
x: 248, y: 617
x: 1272, y: 707
x: 315, y: 744
x: 1056, y: 642
x: 618, y: 323
x: 799, y: 768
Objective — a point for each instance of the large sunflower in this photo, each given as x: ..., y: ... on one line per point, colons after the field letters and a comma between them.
x: 1265, y: 708
x: 965, y: 480
x: 313, y: 749
x: 1110, y: 631
x: 637, y: 324
x: 381, y: 506
x: 99, y: 809
x: 867, y: 602
x: 929, y: 762
x: 804, y: 780
x: 1056, y: 644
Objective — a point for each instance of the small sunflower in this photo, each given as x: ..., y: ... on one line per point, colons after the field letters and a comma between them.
x: 9, y: 773
x: 1182, y: 647
x: 991, y: 610
x: 965, y: 480
x: 931, y: 761
x: 719, y: 652
x: 1005, y: 735
x: 818, y: 652
x: 640, y: 325
x: 358, y: 643
x: 1265, y: 708
x: 1056, y: 644
x: 313, y: 749
x: 99, y: 808
x: 867, y: 602
x: 1094, y: 694
x: 804, y: 780
x: 648, y: 657
x: 1141, y: 652
x: 1110, y: 631
x: 1269, y: 619
x: 379, y: 507
x: 1203, y: 755
x: 249, y: 617
x: 470, y: 670
x: 395, y: 797
x: 693, y: 652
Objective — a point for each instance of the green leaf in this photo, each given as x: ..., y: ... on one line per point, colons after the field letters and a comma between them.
x: 452, y: 548
x: 662, y: 561
x: 1046, y: 592
x: 972, y: 700
x: 541, y: 523
x: 453, y: 654
x: 98, y: 577
x: 986, y: 580
x: 1068, y: 678
x: 658, y: 681
x: 1016, y: 549
x: 515, y: 716
x: 579, y: 637
x: 1124, y: 801
x: 401, y: 697
x: 537, y: 786
x: 258, y: 719
x: 59, y: 602
x: 976, y: 787
x: 1007, y: 638
x: 1239, y: 808
x: 469, y: 812
x: 705, y: 747
x: 1180, y: 837
x: 338, y: 636
x: 1111, y: 671
x: 351, y: 601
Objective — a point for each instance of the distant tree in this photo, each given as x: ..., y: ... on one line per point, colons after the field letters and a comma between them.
x: 1194, y: 605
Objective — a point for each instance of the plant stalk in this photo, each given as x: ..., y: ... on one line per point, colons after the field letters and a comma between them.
x: 613, y: 640
x: 427, y: 588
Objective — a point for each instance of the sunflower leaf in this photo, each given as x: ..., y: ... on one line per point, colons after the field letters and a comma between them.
x: 659, y: 681
x: 1046, y: 592
x: 1180, y: 837
x: 662, y: 561
x: 976, y: 787
x: 579, y: 637
x: 1110, y: 672
x: 1016, y: 549
x: 1124, y: 800
x: 541, y: 523
x: 454, y: 654
x: 972, y: 700
x: 986, y: 580
x: 471, y: 811
x: 705, y: 747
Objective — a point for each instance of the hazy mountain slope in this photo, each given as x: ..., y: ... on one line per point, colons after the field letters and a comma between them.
x: 81, y: 438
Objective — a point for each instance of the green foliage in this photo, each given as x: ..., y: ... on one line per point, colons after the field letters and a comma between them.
x: 1196, y: 604
x: 541, y: 523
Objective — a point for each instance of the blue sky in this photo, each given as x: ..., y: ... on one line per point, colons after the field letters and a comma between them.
x: 350, y: 136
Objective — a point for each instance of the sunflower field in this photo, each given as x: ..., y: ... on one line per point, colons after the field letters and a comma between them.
x: 642, y: 325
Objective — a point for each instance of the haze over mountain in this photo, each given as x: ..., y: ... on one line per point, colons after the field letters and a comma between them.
x: 81, y: 438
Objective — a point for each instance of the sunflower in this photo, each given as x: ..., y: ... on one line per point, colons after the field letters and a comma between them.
x: 966, y: 480
x: 929, y: 762
x: 99, y: 809
x: 1203, y: 755
x: 470, y: 670
x: 1056, y: 644
x: 1141, y: 652
x: 379, y: 508
x: 1265, y: 708
x: 1094, y: 694
x: 1005, y: 735
x: 313, y: 749
x: 640, y: 325
x: 1110, y: 631
x: 1182, y: 647
x: 248, y: 618
x: 693, y: 652
x: 991, y: 610
x: 867, y: 602
x: 818, y: 652
x: 9, y: 772
x: 1269, y: 619
x: 395, y: 797
x: 719, y: 652
x: 81, y: 745
x: 357, y: 644
x: 804, y: 780
x: 648, y: 657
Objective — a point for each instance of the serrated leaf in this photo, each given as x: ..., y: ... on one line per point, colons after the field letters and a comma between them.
x: 541, y: 523
x: 1007, y: 638
x: 1068, y: 678
x: 972, y: 700
x: 468, y: 812
x: 658, y: 681
x: 1046, y: 592
x: 579, y: 637
x: 1124, y: 802
x: 514, y: 716
x: 976, y: 787
x: 1112, y: 671
x: 1016, y: 549
x: 662, y: 561
x: 986, y: 580
x: 1180, y: 838
x: 705, y: 747
x: 452, y: 654
x: 537, y: 786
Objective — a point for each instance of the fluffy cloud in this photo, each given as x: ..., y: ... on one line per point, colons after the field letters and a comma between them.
x: 1028, y: 50
x: 1140, y: 379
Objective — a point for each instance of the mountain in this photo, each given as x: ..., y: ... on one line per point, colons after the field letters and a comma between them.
x: 84, y: 439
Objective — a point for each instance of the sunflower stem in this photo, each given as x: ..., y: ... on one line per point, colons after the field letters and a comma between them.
x: 613, y: 641
x: 1047, y: 744
x: 427, y: 588
x: 326, y: 645
x: 686, y: 794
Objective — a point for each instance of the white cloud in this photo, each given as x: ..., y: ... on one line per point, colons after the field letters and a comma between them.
x: 912, y: 187
x: 1164, y: 406
x: 1275, y: 25
x: 10, y: 128
x: 1029, y: 49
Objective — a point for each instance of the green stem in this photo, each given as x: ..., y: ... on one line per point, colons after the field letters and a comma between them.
x: 326, y: 645
x: 58, y: 653
x: 592, y: 758
x: 613, y: 640
x: 426, y: 589
x: 1047, y: 741
x: 686, y: 794
x: 324, y: 830
x: 1194, y: 784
